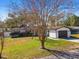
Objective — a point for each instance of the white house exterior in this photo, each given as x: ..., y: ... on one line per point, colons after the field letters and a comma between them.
x: 60, y: 32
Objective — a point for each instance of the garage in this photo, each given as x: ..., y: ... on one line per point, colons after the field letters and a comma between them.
x: 62, y: 32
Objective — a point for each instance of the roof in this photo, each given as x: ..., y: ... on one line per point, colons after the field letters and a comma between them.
x: 58, y: 27
x: 74, y: 27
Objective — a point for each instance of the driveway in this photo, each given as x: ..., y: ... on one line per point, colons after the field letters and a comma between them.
x: 74, y: 40
x: 72, y: 54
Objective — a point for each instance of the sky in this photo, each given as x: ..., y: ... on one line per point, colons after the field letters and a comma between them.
x: 4, y: 8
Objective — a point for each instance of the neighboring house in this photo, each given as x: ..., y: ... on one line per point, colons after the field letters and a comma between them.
x: 59, y: 32
x: 74, y: 30
x: 7, y: 34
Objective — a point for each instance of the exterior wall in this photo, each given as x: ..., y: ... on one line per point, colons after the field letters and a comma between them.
x: 52, y: 33
x: 22, y: 30
x: 7, y: 34
x: 69, y: 33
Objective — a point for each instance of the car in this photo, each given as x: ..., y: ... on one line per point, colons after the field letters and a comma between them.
x: 15, y: 34
x: 19, y: 34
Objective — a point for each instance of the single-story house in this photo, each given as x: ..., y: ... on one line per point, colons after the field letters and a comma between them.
x: 74, y: 30
x: 59, y: 32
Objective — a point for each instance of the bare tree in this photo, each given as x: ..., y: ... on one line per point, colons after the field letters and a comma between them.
x: 1, y: 38
x: 39, y: 12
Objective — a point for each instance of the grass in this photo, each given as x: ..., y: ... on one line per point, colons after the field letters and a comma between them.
x: 28, y: 48
x: 75, y: 35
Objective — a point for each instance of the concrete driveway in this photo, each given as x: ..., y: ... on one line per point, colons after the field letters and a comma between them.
x: 74, y: 40
x: 72, y: 54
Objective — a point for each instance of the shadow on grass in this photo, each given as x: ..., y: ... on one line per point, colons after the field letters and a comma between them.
x: 63, y: 54
x: 3, y: 58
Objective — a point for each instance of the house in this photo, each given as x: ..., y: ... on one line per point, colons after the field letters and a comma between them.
x: 6, y: 33
x: 74, y: 30
x: 59, y: 32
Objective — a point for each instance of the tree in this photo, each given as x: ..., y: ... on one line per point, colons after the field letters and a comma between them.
x: 72, y: 21
x: 37, y: 12
x: 15, y: 22
x: 1, y: 38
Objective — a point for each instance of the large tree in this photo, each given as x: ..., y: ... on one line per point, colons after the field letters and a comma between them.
x: 14, y: 22
x: 37, y: 12
x: 72, y: 20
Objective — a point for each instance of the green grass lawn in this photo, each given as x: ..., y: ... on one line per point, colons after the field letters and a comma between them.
x: 28, y: 48
x: 75, y: 35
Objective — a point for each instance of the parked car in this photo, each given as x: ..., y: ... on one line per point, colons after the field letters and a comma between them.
x: 20, y: 34
x: 15, y: 34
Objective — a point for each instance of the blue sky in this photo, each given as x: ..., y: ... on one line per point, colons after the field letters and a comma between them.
x: 4, y: 8
x: 5, y: 3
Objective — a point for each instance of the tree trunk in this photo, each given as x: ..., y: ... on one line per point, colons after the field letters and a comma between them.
x: 2, y: 45
x: 43, y: 44
x: 42, y: 40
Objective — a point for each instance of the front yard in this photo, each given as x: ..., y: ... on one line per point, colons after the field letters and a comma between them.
x: 75, y: 35
x: 28, y: 48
